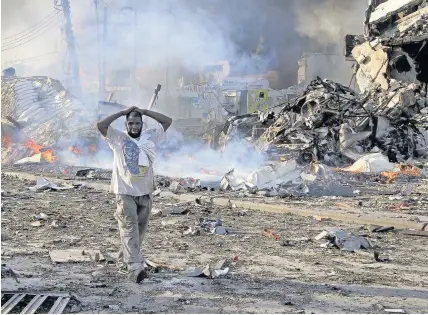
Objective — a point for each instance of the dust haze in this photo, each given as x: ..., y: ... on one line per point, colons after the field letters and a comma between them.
x: 183, y: 35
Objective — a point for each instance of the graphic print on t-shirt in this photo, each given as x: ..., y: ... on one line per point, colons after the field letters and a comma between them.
x: 131, y: 154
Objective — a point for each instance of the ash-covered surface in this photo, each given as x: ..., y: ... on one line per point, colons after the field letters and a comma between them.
x: 266, y: 277
x: 61, y: 171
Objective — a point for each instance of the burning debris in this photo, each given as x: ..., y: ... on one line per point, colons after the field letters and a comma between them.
x: 379, y: 130
x: 39, y: 116
x: 385, y: 124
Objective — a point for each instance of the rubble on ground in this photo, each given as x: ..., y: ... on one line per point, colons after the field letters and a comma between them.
x: 343, y: 240
x: 210, y: 271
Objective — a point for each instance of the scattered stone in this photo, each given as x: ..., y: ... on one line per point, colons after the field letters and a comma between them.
x: 41, y: 216
x: 321, y: 218
x: 114, y: 307
x: 394, y: 311
x: 220, y: 230
x: 112, y: 291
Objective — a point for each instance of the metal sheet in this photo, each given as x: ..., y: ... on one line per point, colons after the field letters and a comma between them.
x: 59, y: 305
x: 9, y: 305
x: 389, y: 8
x: 34, y: 304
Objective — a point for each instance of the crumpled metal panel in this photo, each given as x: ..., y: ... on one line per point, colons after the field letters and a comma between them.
x: 46, y: 111
x: 333, y: 124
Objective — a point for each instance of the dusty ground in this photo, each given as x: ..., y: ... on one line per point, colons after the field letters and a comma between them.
x: 267, y: 277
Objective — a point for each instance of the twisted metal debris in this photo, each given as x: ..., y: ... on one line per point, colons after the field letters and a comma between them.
x: 45, y: 111
x: 333, y: 124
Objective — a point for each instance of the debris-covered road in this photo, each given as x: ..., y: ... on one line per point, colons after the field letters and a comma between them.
x: 291, y: 275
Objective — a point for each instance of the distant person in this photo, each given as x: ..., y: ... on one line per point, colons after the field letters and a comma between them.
x: 133, y: 181
x: 9, y: 72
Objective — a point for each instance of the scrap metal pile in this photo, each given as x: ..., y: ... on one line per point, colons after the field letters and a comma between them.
x: 248, y: 126
x: 39, y: 115
x: 376, y: 129
x: 334, y: 124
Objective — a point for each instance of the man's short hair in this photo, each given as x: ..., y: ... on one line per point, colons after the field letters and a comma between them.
x: 134, y: 113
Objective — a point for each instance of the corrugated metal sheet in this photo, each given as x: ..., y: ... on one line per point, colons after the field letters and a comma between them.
x: 46, y: 111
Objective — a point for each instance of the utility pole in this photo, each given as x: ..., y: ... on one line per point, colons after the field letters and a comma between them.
x: 169, y: 14
x: 102, y: 62
x: 135, y: 63
x: 104, y: 45
x: 100, y: 78
x: 72, y: 47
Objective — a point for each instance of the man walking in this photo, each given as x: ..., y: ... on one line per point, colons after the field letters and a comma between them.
x: 133, y: 181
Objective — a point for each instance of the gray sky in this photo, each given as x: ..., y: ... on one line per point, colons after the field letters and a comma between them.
x: 200, y: 32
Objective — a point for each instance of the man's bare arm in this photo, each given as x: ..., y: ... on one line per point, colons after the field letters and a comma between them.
x: 103, y: 124
x: 165, y: 121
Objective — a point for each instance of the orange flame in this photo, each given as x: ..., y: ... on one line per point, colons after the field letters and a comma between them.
x: 36, y: 148
x: 6, y: 141
x: 408, y: 170
x: 74, y: 150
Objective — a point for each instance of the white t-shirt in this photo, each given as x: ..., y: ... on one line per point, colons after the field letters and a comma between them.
x: 133, y: 160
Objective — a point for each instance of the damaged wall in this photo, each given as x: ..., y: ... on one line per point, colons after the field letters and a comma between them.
x: 396, y: 48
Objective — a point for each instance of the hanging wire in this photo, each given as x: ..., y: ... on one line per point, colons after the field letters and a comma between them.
x: 43, y: 31
x: 30, y: 29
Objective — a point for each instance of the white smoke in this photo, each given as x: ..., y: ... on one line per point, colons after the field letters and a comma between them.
x: 327, y: 21
x: 198, y: 161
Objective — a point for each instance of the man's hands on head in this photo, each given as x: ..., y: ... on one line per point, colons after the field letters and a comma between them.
x: 131, y: 109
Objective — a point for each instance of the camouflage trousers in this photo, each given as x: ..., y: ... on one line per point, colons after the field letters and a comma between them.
x: 132, y: 215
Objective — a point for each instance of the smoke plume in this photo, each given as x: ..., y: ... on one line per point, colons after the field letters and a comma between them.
x: 174, y: 37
